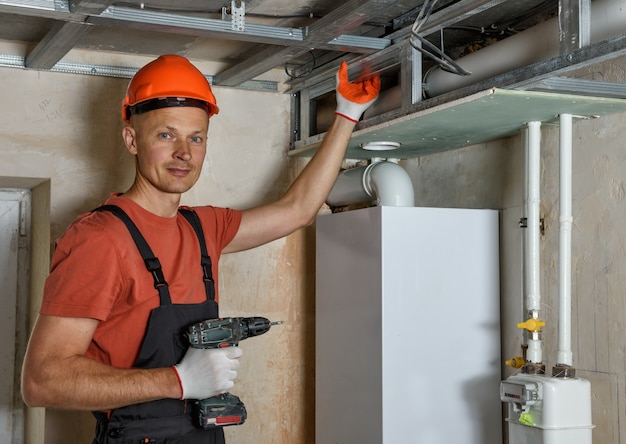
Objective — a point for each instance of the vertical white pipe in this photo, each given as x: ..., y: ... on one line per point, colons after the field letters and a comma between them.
x: 534, y: 175
x: 527, y: 264
x: 564, y: 354
x: 533, y: 297
x: 526, y: 209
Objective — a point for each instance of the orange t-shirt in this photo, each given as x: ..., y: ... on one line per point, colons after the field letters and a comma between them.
x: 97, y: 272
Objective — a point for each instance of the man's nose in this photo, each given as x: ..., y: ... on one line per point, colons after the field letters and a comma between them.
x: 183, y: 150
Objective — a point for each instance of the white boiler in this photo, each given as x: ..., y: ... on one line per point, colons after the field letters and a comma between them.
x: 407, y: 327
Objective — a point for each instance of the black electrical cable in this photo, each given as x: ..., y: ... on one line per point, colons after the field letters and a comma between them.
x: 426, y: 47
x: 445, y: 62
x: 291, y: 74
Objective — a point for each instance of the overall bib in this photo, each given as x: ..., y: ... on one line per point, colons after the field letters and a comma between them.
x: 165, y: 421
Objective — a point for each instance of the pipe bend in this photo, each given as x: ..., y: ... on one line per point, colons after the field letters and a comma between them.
x: 385, y: 182
x: 390, y: 184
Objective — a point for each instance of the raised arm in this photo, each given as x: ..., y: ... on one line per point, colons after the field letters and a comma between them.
x: 298, y: 207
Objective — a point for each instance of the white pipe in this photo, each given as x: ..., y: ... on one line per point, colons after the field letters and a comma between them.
x: 534, y: 353
x: 526, y: 244
x: 391, y: 184
x: 348, y: 188
x: 385, y: 182
x: 608, y: 19
x: 564, y: 353
x: 533, y: 296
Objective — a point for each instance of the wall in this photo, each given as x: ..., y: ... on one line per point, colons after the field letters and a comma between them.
x: 61, y: 129
x: 64, y: 130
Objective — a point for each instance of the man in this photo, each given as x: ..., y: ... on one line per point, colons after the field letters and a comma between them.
x: 108, y: 338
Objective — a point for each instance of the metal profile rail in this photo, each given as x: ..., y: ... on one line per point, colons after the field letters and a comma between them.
x: 14, y: 61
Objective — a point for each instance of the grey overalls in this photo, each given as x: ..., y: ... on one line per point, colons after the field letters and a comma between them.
x: 166, y: 421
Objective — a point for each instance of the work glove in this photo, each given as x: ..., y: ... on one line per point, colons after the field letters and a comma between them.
x: 203, y: 373
x: 354, y: 98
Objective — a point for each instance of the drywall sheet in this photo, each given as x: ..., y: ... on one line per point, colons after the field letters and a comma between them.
x: 485, y: 116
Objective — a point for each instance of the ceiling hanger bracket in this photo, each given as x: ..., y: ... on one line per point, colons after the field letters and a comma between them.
x: 236, y: 15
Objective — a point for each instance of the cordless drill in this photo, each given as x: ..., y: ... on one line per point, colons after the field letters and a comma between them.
x: 225, y: 409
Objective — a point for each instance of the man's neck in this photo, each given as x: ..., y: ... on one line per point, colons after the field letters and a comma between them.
x: 159, y: 203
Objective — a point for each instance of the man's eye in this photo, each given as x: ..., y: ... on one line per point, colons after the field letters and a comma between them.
x: 165, y: 136
x: 196, y: 139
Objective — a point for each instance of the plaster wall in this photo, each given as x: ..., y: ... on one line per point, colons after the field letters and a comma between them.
x: 64, y: 130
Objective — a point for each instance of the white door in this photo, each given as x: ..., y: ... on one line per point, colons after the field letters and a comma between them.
x: 14, y: 226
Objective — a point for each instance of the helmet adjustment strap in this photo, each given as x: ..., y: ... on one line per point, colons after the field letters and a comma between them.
x: 166, y: 102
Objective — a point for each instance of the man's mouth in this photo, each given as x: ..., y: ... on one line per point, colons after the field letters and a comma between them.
x: 179, y: 171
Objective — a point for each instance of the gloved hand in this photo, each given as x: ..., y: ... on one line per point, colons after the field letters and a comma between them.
x: 354, y: 98
x: 203, y: 373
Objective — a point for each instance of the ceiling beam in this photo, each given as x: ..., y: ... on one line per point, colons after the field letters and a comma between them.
x: 343, y: 19
x: 102, y: 12
x: 64, y: 34
x: 122, y: 72
x: 222, y: 29
x: 58, y: 41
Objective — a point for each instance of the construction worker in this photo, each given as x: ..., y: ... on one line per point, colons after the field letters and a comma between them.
x: 108, y: 338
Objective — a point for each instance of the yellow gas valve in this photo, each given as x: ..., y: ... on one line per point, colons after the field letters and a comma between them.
x: 516, y: 362
x: 531, y: 324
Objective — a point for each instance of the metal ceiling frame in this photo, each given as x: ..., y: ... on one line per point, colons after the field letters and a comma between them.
x: 57, y: 42
x: 547, y: 75
x: 78, y: 17
x: 307, y: 89
x: 347, y: 16
x: 222, y: 29
x: 322, y: 80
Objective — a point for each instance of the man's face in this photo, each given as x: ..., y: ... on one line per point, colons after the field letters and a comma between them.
x: 170, y: 144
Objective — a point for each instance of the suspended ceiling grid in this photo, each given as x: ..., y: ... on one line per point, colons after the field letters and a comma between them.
x: 276, y: 32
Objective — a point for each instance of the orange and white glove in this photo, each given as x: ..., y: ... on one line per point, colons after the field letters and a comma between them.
x: 354, y: 98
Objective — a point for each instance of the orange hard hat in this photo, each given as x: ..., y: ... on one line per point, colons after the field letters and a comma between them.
x: 170, y: 80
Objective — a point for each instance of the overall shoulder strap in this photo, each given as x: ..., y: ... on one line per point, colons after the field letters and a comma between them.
x: 152, y: 262
x: 205, y: 259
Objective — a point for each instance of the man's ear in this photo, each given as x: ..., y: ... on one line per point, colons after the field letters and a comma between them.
x: 128, y: 134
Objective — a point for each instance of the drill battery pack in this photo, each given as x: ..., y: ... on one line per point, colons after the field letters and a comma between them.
x: 219, y: 411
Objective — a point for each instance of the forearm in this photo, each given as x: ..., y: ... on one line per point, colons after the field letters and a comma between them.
x: 80, y: 383
x: 300, y: 204
x: 311, y: 188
